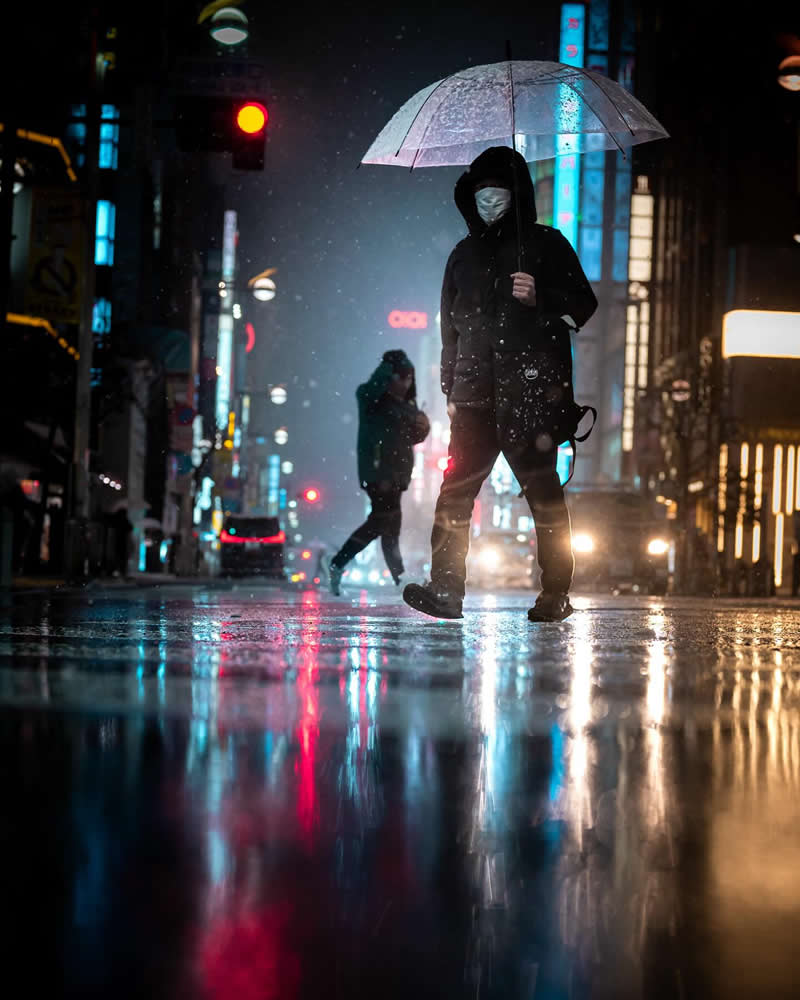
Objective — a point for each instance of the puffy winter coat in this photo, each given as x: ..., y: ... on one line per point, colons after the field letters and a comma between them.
x: 496, y: 351
x: 387, y: 431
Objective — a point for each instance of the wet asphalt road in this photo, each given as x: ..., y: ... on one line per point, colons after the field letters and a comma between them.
x: 260, y: 794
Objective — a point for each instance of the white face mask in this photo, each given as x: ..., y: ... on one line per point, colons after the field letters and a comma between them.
x: 492, y: 203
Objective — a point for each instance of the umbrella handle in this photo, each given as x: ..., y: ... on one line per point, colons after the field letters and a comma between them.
x: 514, y: 149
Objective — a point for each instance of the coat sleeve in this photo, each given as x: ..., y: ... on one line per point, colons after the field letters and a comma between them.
x: 565, y: 289
x: 369, y: 393
x: 449, y: 332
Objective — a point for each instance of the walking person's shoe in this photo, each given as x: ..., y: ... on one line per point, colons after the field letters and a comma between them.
x: 335, y: 579
x: 432, y: 600
x: 550, y: 607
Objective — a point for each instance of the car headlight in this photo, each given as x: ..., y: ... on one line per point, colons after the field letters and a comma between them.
x: 583, y: 543
x: 657, y: 547
x: 489, y: 558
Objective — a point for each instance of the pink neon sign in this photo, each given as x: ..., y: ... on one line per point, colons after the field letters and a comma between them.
x: 400, y: 319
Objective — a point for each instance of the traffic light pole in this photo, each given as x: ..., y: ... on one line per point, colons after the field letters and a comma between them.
x: 76, y: 551
x: 7, y: 208
x: 186, y: 557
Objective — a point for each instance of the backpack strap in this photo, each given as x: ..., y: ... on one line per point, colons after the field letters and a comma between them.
x: 582, y: 437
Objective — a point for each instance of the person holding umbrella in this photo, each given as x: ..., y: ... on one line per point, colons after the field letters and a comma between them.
x: 513, y: 292
x: 390, y: 424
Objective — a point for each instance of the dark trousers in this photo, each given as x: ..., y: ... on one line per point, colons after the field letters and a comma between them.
x: 384, y: 523
x: 474, y: 448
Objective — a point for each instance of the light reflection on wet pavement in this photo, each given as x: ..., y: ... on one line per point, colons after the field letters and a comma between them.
x: 213, y: 794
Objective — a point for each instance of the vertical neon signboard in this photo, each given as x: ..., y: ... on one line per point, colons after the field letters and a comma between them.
x: 224, y: 361
x: 273, y: 484
x: 567, y: 174
x: 225, y: 328
x: 229, y: 245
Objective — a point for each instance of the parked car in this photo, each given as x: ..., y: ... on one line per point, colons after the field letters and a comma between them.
x: 621, y: 541
x: 252, y: 546
x: 501, y: 559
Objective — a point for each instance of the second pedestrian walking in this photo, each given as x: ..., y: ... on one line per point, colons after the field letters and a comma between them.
x: 390, y: 424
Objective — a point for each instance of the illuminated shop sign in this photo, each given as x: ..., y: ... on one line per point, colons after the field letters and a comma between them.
x: 761, y: 333
x: 400, y: 319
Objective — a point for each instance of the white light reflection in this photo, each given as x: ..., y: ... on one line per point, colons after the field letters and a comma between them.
x: 493, y: 772
x: 654, y: 806
x: 162, y: 660
x: 44, y: 636
x: 578, y: 808
x: 753, y: 852
x: 358, y: 776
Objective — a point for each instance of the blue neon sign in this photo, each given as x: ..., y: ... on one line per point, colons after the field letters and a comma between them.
x: 566, y: 193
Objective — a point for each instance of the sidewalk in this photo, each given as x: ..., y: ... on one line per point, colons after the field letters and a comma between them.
x: 134, y: 581
x: 131, y: 582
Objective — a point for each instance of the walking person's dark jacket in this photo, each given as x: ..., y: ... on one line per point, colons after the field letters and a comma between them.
x: 496, y: 351
x: 388, y: 427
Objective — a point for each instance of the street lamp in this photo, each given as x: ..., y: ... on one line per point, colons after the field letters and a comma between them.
x: 229, y: 27
x: 789, y: 73
x: 680, y: 391
x: 262, y: 286
x: 19, y: 175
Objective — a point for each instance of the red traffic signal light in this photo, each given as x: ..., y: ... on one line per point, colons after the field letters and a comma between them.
x: 311, y: 495
x: 249, y: 135
x: 221, y: 125
x: 251, y: 118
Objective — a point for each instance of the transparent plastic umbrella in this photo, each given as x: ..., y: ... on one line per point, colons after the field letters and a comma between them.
x: 542, y: 109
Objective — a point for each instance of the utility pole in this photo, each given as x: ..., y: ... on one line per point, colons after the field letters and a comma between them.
x: 76, y: 539
x: 186, y: 557
x: 7, y: 172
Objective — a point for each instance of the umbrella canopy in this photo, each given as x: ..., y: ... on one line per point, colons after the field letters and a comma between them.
x: 543, y: 109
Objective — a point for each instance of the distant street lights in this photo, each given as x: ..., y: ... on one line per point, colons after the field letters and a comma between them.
x: 680, y: 392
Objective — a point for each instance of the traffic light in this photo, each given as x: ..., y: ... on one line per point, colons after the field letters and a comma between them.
x: 223, y: 125
x: 249, y: 135
x: 311, y: 495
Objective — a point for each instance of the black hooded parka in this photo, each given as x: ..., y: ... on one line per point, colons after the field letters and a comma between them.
x: 497, y: 352
x: 387, y: 428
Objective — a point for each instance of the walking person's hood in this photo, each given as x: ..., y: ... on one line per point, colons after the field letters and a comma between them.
x: 500, y: 162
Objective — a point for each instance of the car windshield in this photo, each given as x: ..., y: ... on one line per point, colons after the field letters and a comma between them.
x: 622, y: 508
x: 253, y: 527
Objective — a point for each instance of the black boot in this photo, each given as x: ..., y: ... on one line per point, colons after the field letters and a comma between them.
x: 432, y: 600
x: 550, y: 607
x: 335, y: 578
